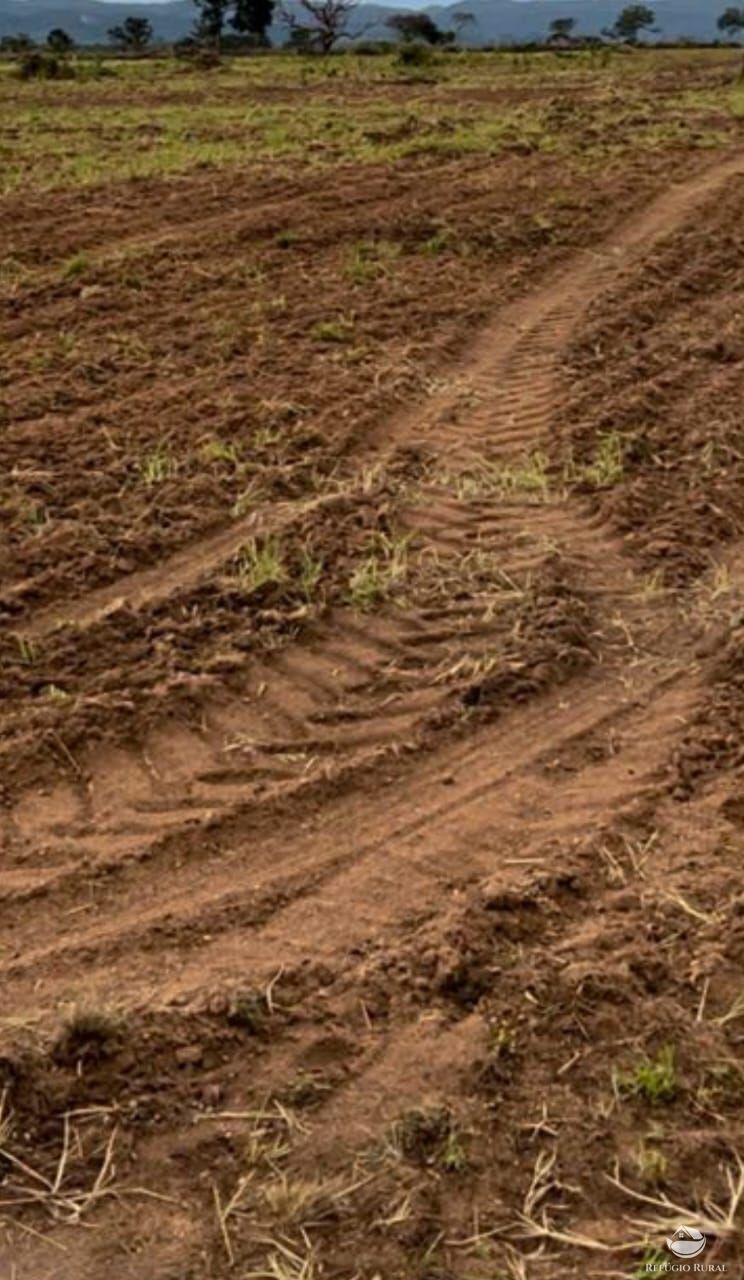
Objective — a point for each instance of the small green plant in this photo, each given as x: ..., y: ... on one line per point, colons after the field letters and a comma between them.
x: 379, y: 574
x: 157, y: 466
x: 483, y: 477
x: 263, y: 437
x: 608, y: 464
x: 429, y: 1136
x: 653, y: 1261
x: 54, y: 694
x: 422, y: 1134
x: 528, y: 476
x: 219, y: 451
x: 261, y: 564
x: 311, y: 571
x: 502, y: 1039
x: 341, y: 330
x: 654, y: 1079
x: 439, y: 242
x: 27, y: 650
x: 370, y: 259
x: 246, y: 501
x: 76, y: 266
x: 248, y: 1012
x: 453, y: 1157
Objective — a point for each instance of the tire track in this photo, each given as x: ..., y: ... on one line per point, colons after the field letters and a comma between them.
x: 205, y: 824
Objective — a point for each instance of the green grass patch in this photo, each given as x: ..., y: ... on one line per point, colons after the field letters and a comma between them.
x: 155, y: 117
x: 654, y: 1080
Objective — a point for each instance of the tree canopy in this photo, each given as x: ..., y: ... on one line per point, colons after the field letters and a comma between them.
x: 324, y: 23
x: 631, y: 20
x: 134, y: 34
x: 211, y: 20
x: 562, y: 26
x: 418, y: 26
x: 731, y: 20
x: 59, y: 40
x: 253, y: 18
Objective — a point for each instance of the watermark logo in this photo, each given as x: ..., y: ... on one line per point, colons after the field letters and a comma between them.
x: 687, y: 1242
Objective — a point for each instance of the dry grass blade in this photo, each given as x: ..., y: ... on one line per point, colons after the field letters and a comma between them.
x: 735, y: 1011
x: 705, y: 917
x: 37, y: 1235
x: 401, y: 1212
x: 269, y: 994
x: 715, y: 1220
x: 64, y: 1202
x: 224, y: 1212
x: 6, y: 1118
x: 279, y: 1115
x: 223, y: 1224
x: 64, y: 1205
x: 532, y: 1225
x: 285, y: 1262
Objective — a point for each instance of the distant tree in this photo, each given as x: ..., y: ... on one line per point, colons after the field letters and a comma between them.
x: 326, y: 23
x: 731, y: 21
x: 633, y: 19
x: 211, y: 21
x: 253, y: 18
x: 562, y: 26
x: 134, y: 34
x: 16, y: 44
x: 417, y: 26
x: 59, y: 41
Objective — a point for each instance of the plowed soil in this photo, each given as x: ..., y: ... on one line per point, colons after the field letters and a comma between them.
x: 372, y: 679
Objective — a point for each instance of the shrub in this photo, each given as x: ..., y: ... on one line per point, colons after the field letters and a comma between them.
x: 415, y: 55
x: 371, y: 48
x: 39, y: 65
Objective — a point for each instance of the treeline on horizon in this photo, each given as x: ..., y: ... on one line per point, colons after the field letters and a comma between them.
x: 238, y: 27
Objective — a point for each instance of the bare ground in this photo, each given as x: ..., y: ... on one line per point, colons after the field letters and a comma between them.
x: 401, y: 941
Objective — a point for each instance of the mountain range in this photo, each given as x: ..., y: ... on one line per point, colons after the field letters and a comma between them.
x: 495, y: 21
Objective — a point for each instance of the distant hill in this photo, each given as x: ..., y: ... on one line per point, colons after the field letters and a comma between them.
x: 496, y: 21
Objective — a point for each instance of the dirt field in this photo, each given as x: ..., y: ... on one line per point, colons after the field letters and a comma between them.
x: 372, y: 669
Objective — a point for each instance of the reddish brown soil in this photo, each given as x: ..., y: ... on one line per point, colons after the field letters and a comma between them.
x: 659, y: 364
x: 206, y: 326
x: 345, y: 938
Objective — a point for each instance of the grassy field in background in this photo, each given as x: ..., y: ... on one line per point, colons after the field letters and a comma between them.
x: 123, y: 120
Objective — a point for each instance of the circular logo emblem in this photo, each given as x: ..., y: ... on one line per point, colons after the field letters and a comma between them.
x: 687, y: 1242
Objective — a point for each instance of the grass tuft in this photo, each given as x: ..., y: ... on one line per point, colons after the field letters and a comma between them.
x: 90, y: 1035
x: 260, y: 564
x: 76, y: 266
x: 608, y: 465
x: 379, y: 574
x: 330, y: 331
x: 654, y: 1079
x: 157, y: 466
